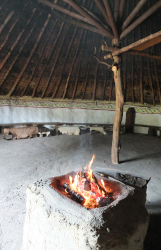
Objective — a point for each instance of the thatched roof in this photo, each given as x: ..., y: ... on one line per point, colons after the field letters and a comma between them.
x: 47, y: 54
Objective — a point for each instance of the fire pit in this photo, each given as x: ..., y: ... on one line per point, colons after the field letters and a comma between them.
x: 86, y: 210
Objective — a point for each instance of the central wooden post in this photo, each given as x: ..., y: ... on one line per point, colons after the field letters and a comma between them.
x: 118, y: 111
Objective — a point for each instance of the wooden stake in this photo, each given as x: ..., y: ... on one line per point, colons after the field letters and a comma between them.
x: 141, y: 82
x: 151, y: 83
x: 157, y: 80
x: 118, y: 112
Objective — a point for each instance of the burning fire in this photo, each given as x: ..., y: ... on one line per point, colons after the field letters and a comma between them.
x: 86, y: 187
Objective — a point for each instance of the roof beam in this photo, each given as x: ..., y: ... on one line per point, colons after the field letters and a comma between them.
x: 121, y: 10
x: 29, y: 58
x: 133, y: 13
x: 78, y: 23
x: 145, y: 54
x: 102, y: 9
x: 111, y: 18
x: 142, y: 43
x: 90, y: 18
x: 148, y: 13
x: 116, y: 10
x: 63, y: 10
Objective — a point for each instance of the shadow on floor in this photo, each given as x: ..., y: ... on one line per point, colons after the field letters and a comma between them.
x: 153, y: 237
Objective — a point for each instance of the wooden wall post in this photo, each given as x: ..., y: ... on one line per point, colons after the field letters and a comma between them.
x: 118, y: 111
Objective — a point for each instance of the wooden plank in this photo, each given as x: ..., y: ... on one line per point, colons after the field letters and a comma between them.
x: 147, y: 44
x: 143, y: 17
x: 137, y: 45
x: 29, y: 58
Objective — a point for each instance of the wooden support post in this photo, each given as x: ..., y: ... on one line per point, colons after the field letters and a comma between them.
x: 118, y: 111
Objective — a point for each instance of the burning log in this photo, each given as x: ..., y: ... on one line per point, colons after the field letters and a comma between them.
x: 74, y: 195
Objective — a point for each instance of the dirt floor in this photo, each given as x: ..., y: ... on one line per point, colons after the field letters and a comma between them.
x: 25, y: 161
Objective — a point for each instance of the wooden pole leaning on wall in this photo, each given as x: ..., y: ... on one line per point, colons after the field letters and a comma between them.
x: 119, y: 110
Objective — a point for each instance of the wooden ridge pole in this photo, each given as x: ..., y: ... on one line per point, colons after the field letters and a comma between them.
x: 119, y: 108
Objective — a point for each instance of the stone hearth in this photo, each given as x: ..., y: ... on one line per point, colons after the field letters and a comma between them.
x: 53, y: 221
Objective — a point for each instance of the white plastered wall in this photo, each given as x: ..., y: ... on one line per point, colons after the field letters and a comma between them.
x: 13, y: 114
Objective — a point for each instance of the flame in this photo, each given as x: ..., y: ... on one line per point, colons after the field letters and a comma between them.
x: 77, y: 184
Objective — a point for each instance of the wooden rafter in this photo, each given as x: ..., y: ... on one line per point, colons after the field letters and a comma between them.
x: 143, y: 17
x: 21, y: 48
x: 28, y: 59
x: 145, y: 54
x: 111, y: 18
x: 72, y: 64
x: 78, y: 23
x: 90, y: 18
x: 141, y: 44
x: 79, y: 68
x: 116, y: 10
x: 48, y: 59
x: 6, y: 21
x: 133, y: 14
x: 63, y: 10
x: 37, y: 63
x: 121, y: 9
x: 102, y: 9
x: 15, y: 43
